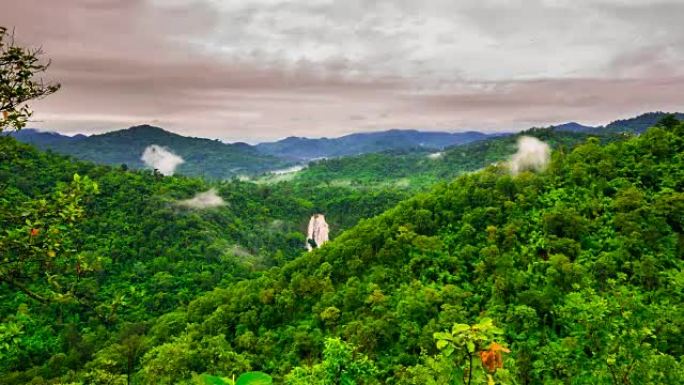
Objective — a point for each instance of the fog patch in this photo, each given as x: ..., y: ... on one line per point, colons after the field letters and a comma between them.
x: 161, y: 159
x: 532, y: 154
x: 288, y: 170
x: 239, y: 251
x: 435, y: 155
x: 204, y: 200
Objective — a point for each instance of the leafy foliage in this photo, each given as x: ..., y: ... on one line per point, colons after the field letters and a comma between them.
x: 118, y: 256
x: 106, y: 280
x: 19, y: 81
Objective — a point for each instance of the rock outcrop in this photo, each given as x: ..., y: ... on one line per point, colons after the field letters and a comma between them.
x: 317, y: 233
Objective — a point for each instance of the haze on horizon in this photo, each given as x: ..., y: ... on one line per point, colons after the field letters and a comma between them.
x: 265, y: 69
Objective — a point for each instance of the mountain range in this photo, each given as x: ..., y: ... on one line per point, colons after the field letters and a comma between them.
x: 218, y: 160
x: 563, y: 276
x: 202, y: 157
x: 635, y: 125
x: 298, y: 148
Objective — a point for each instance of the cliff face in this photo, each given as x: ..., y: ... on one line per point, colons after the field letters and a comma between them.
x: 317, y: 233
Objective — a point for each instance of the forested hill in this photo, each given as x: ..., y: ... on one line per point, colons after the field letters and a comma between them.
x: 144, y: 245
x: 635, y: 125
x: 202, y: 157
x: 580, y: 266
x: 394, y: 157
x: 419, y: 168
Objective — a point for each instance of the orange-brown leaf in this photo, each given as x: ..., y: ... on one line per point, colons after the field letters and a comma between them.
x: 492, y: 358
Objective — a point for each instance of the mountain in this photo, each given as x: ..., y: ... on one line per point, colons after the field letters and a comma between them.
x: 579, y: 266
x: 137, y: 251
x: 640, y: 123
x: 420, y: 168
x: 202, y: 157
x: 570, y: 275
x: 42, y: 138
x: 395, y: 155
x: 297, y: 148
x: 574, y: 127
x: 635, y: 125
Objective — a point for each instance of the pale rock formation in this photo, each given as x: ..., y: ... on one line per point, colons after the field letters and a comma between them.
x: 317, y: 232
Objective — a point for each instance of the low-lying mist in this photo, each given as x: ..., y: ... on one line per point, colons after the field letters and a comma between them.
x: 532, y: 154
x: 203, y: 200
x: 161, y: 159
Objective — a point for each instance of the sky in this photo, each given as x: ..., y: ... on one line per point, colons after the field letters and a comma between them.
x: 257, y: 70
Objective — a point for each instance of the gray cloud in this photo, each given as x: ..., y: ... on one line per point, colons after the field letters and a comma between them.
x: 263, y: 69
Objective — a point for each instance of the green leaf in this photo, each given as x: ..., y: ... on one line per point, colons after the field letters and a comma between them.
x: 345, y: 379
x: 441, y: 344
x: 471, y: 346
x: 442, y: 336
x: 213, y: 380
x: 459, y: 328
x: 254, y: 378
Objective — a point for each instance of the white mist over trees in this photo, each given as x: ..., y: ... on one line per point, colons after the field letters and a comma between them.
x: 203, y: 200
x: 161, y: 159
x: 532, y: 154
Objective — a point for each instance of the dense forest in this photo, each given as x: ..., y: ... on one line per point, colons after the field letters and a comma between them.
x: 418, y: 168
x: 578, y: 267
x: 497, y: 266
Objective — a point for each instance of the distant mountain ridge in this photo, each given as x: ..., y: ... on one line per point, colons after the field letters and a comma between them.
x: 43, y: 138
x: 635, y: 125
x: 298, y: 148
x: 203, y: 157
x: 217, y: 160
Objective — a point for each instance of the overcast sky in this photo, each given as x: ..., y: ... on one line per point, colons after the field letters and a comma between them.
x: 264, y: 69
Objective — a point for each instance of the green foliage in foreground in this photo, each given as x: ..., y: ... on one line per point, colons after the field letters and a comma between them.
x: 97, y: 256
x: 579, y: 267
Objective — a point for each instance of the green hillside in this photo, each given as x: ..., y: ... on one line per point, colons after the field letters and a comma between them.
x: 419, y: 168
x: 134, y: 253
x: 202, y: 157
x: 580, y: 266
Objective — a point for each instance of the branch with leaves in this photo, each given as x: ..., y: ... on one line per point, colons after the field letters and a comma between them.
x: 37, y: 253
x: 465, y: 342
x: 20, y: 81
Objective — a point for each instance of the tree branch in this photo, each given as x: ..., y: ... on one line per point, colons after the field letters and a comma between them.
x: 25, y: 290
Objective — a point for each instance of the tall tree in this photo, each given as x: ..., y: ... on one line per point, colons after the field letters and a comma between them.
x: 20, y: 81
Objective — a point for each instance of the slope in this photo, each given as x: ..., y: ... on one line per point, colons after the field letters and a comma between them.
x: 203, y: 157
x: 419, y: 168
x: 635, y: 125
x: 139, y: 253
x: 581, y: 265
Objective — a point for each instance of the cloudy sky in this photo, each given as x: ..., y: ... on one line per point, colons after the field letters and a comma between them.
x: 264, y: 69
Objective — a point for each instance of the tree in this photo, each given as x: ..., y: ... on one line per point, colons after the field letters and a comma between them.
x: 20, y: 81
x: 36, y: 243
x: 341, y: 366
x: 464, y: 342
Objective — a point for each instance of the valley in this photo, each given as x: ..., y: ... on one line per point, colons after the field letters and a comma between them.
x: 292, y: 192
x: 178, y: 262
